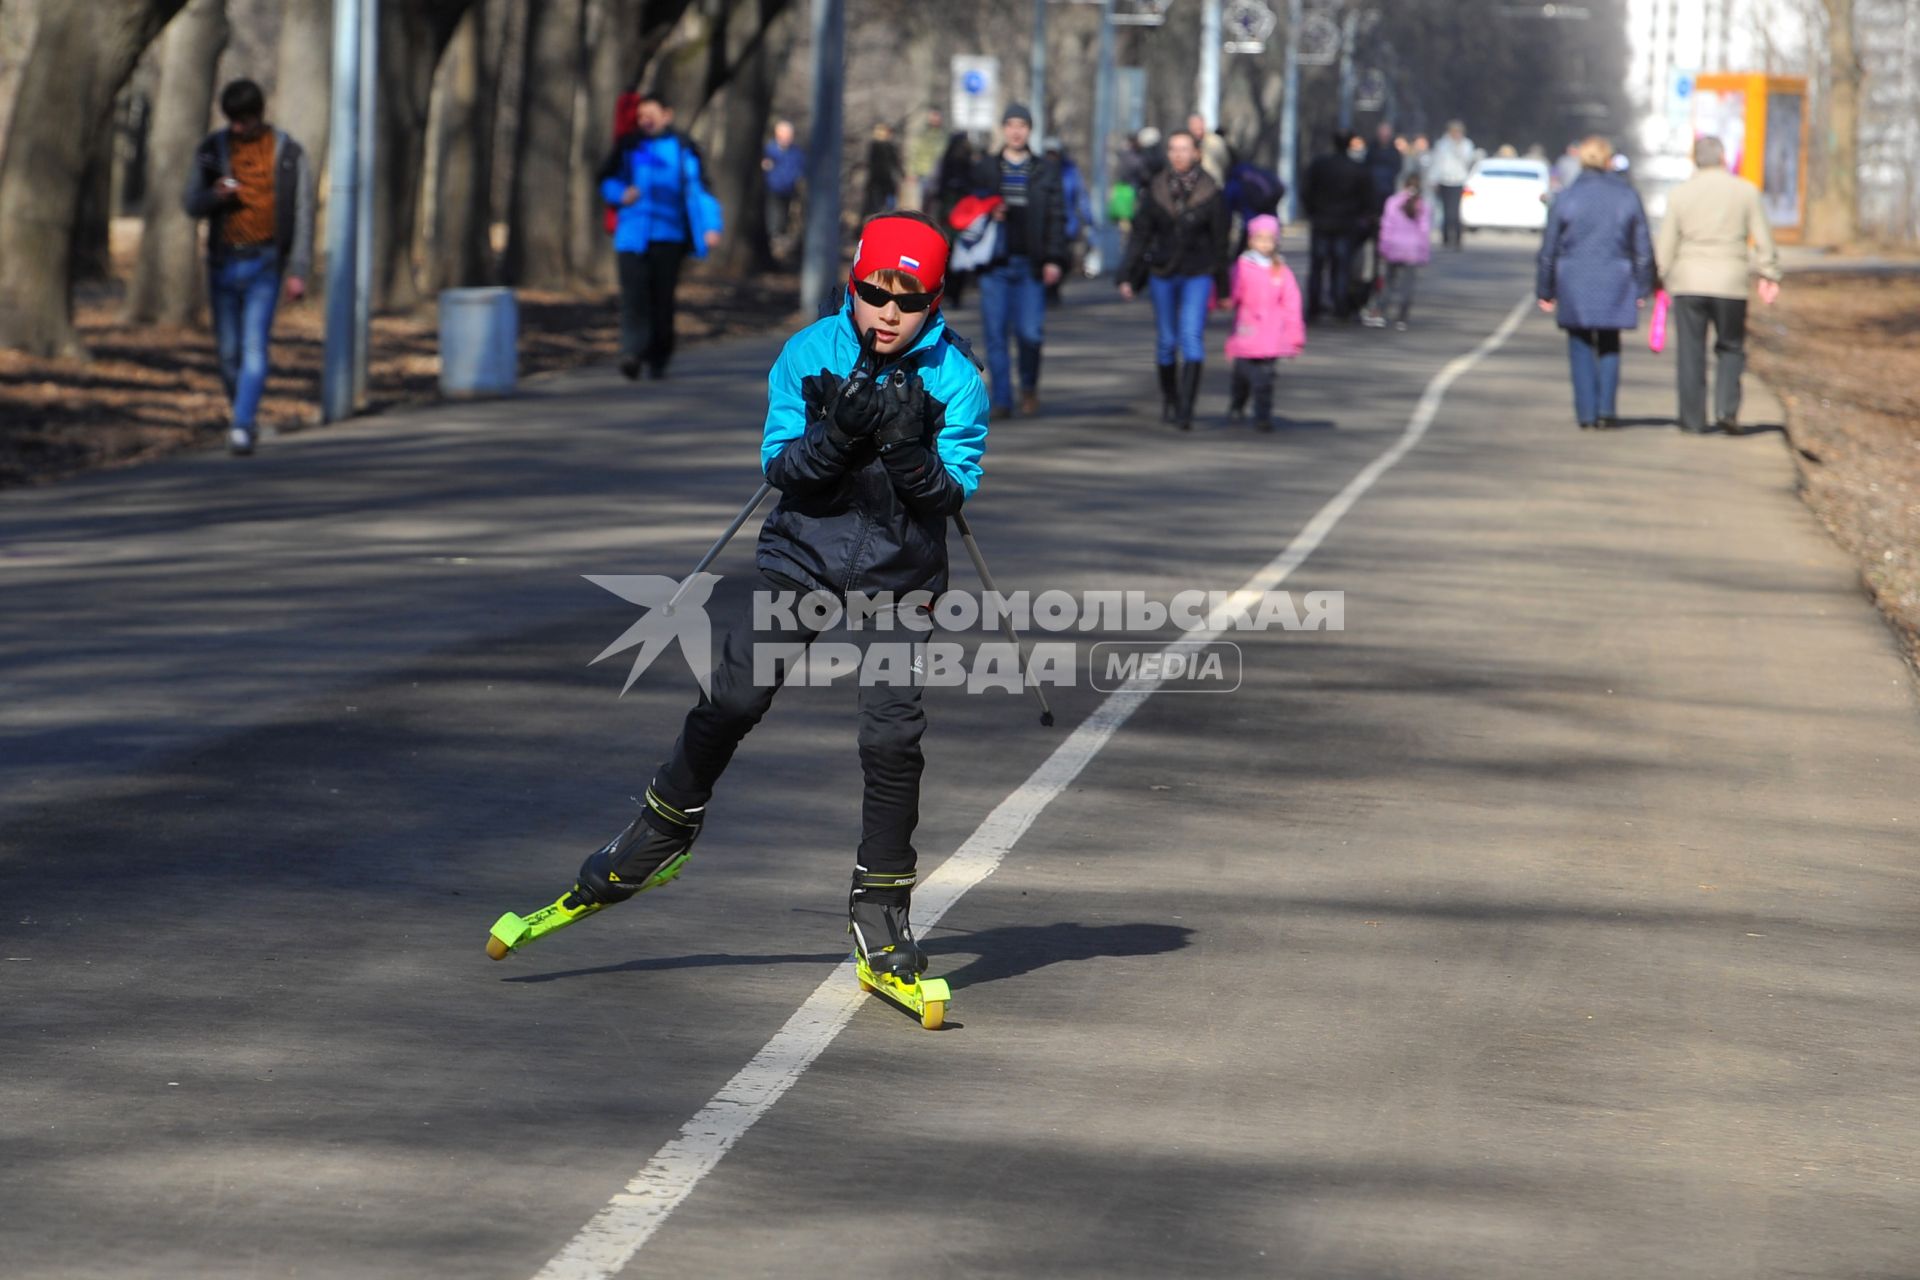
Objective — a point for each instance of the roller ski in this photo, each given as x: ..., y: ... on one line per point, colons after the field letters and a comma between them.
x: 651, y: 852
x: 886, y: 959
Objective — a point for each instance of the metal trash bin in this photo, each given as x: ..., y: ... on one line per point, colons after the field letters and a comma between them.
x: 479, y: 342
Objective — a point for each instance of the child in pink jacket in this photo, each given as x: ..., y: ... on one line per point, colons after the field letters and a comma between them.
x: 1406, y: 245
x: 1267, y: 324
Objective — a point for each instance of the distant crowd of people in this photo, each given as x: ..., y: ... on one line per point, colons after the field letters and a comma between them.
x: 1202, y: 232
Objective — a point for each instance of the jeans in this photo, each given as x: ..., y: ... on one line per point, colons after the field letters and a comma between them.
x: 1179, y: 317
x: 1331, y: 270
x: 1450, y: 207
x: 1691, y: 314
x: 244, y: 292
x: 1594, y: 355
x: 1399, y: 299
x: 647, y: 282
x: 1012, y: 298
x: 892, y: 721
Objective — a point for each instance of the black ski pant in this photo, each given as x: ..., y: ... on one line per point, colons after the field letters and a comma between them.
x: 647, y: 283
x: 1691, y: 315
x: 1451, y: 230
x: 892, y: 721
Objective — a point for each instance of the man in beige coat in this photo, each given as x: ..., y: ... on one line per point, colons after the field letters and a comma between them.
x: 1705, y: 262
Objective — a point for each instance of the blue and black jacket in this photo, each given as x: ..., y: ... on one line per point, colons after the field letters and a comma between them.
x: 674, y: 203
x: 845, y: 522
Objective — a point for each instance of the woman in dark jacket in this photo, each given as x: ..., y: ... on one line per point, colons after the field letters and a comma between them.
x: 1595, y: 273
x: 1178, y: 251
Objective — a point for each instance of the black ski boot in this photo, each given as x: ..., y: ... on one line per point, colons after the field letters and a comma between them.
x: 877, y: 919
x: 1169, y: 390
x: 649, y: 853
x: 1189, y: 392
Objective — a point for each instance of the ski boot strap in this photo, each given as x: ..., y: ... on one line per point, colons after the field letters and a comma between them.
x: 670, y: 821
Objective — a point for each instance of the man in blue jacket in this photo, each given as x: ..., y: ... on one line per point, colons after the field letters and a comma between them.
x: 655, y: 182
x: 871, y: 457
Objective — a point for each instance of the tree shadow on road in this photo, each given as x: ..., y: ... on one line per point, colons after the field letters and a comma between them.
x: 1013, y: 950
x: 706, y: 961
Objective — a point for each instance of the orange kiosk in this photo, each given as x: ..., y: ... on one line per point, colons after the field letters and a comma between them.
x: 1762, y: 122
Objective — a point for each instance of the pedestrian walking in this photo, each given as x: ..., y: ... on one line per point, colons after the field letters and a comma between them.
x: 1032, y: 254
x: 1337, y: 198
x: 1452, y: 162
x: 1406, y: 245
x: 784, y: 166
x: 926, y: 143
x: 1267, y: 322
x: 254, y: 186
x: 1385, y: 159
x: 872, y: 456
x: 956, y: 184
x: 1595, y: 272
x: 1714, y: 238
x: 1216, y: 156
x: 1079, y: 210
x: 656, y: 180
x: 1178, y: 252
x: 884, y: 171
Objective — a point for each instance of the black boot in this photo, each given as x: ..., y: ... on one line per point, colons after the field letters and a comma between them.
x: 1169, y: 390
x: 1189, y: 392
x: 877, y: 918
x: 649, y: 853
x: 1263, y: 408
x: 1242, y: 388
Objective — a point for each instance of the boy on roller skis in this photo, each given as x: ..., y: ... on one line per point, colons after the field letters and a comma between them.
x: 871, y: 456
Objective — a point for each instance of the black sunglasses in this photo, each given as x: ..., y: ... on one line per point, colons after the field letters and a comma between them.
x: 874, y: 296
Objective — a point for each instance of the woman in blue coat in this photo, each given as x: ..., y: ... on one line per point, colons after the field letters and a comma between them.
x: 1595, y: 273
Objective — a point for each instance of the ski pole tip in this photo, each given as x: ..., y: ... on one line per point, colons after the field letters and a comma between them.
x: 1046, y: 719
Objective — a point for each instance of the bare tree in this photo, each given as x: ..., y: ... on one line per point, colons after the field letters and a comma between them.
x: 81, y: 56
x: 167, y: 279
x: 303, y: 88
x: 465, y: 106
x: 1833, y: 214
x: 538, y: 239
x: 413, y: 36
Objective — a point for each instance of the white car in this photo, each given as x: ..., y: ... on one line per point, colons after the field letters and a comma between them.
x: 1506, y: 195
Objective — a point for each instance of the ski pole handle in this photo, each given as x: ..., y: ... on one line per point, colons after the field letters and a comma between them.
x: 1006, y: 623
x: 713, y: 552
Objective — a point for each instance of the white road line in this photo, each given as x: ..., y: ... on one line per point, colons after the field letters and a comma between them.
x: 616, y: 1233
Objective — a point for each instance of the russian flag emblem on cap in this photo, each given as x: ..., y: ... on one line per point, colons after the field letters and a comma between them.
x: 909, y: 264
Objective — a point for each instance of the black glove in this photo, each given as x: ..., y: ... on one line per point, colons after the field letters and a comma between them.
x: 860, y: 408
x: 905, y: 421
x: 817, y: 393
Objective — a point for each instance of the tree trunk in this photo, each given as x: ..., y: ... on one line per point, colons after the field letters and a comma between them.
x: 81, y: 56
x: 303, y: 92
x: 464, y: 113
x: 167, y: 280
x: 93, y: 219
x: 1833, y: 215
x: 538, y: 239
x: 413, y: 36
x: 615, y: 61
x: 735, y: 174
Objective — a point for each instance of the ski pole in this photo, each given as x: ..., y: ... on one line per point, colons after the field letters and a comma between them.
x: 1006, y: 623
x: 759, y: 496
x: 713, y: 552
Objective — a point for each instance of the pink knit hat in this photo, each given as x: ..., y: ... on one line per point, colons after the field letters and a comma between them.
x: 1265, y: 222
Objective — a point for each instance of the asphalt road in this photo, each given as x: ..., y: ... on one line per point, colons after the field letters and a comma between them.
x: 1558, y: 916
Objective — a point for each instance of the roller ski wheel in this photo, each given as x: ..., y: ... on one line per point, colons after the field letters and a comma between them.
x: 887, y: 960
x: 652, y: 851
x: 924, y: 998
